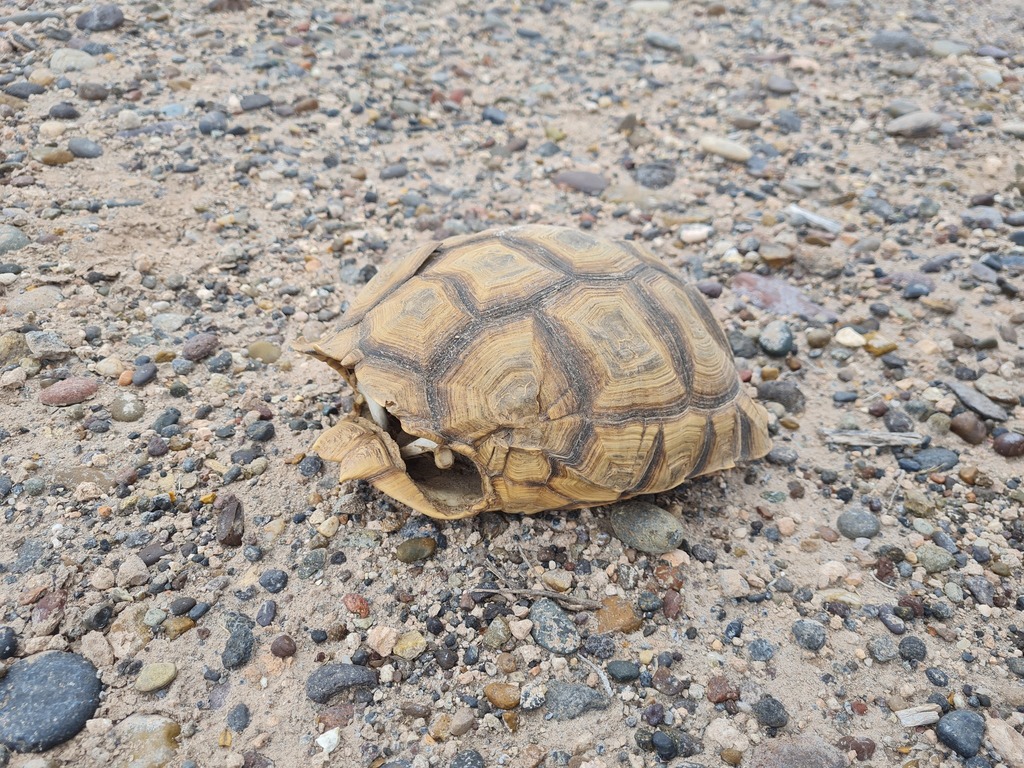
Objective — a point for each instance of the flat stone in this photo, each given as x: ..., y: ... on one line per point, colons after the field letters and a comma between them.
x: 1014, y: 128
x: 914, y: 125
x: 646, y: 528
x: 999, y: 389
x: 796, y: 752
x: 84, y: 148
x: 102, y: 18
x: 47, y: 345
x: 898, y: 41
x: 331, y: 679
x: 663, y: 42
x: 730, y: 150
x: 415, y: 549
x: 155, y: 676
x: 69, y: 392
x: 617, y: 615
x: 152, y: 740
x: 410, y: 645
x: 582, y: 181
x: 553, y: 629
x: 982, y: 216
x: 46, y: 699
x: 858, y: 523
x: 43, y: 297
x: 976, y: 401
x: 567, y: 701
x: 71, y: 60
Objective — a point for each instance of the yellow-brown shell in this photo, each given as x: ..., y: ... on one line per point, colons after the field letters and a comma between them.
x: 568, y: 369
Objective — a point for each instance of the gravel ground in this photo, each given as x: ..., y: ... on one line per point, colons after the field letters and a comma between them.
x: 187, y: 190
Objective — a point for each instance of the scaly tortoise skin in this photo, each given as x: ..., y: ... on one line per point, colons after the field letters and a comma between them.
x: 569, y: 370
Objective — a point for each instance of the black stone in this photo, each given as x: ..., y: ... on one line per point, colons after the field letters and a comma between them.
x: 238, y: 718
x: 47, y: 699
x: 913, y: 649
x: 100, y: 19
x: 770, y: 713
x: 331, y: 679
x: 468, y: 758
x: 274, y: 580
x: 8, y: 642
x: 809, y: 634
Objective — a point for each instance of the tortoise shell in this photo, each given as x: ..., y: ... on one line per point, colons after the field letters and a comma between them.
x: 534, y: 368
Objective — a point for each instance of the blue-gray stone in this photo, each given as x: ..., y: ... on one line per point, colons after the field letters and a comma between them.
x: 961, y: 730
x: 468, y: 758
x: 552, y: 628
x: 46, y: 699
x: 84, y: 148
x: 810, y: 634
x: 567, y: 701
x: 11, y: 239
x: 646, y: 527
x: 858, y: 523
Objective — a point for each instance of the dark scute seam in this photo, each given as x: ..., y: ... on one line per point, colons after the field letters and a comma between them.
x: 707, y: 445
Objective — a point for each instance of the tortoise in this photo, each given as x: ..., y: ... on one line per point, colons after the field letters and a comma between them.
x: 533, y: 368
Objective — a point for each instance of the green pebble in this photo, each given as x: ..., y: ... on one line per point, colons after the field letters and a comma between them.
x: 413, y: 550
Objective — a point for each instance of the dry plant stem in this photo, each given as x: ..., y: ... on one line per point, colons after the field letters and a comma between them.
x: 600, y: 673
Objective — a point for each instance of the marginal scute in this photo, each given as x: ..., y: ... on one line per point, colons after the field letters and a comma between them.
x: 563, y: 369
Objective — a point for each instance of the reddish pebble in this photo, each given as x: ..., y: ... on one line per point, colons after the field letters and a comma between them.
x: 673, y: 604
x: 357, y: 604
x: 1010, y: 444
x: 720, y: 689
x: 69, y: 392
x: 862, y: 746
x: 283, y: 646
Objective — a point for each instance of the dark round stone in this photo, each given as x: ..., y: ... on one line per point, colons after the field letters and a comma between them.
x: 181, y: 605
x: 238, y: 718
x: 213, y: 121
x: 1009, y: 444
x: 664, y: 745
x: 266, y: 612
x: 64, y: 111
x: 760, y: 650
x: 912, y: 649
x: 770, y: 713
x: 274, y: 580
x: 283, y: 646
x: 809, y: 634
x: 46, y: 699
x: 937, y: 677
x: 84, y: 148
x: 962, y: 731
x: 260, y: 431
x: 623, y: 671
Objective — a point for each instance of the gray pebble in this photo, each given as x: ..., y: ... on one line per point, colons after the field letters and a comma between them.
x: 567, y: 701
x: 274, y: 580
x: 553, y: 629
x: 253, y: 101
x: 646, y: 527
x: 776, y: 338
x: 238, y: 649
x: 809, y: 634
x: 102, y: 18
x: 858, y: 523
x: 238, y: 718
x: 934, y: 559
x: 11, y: 239
x: 898, y: 41
x: 663, y: 42
x: 396, y: 171
x: 782, y: 455
x: 84, y: 148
